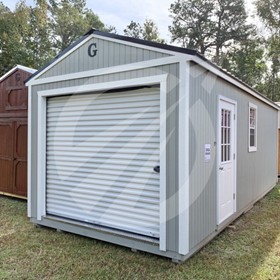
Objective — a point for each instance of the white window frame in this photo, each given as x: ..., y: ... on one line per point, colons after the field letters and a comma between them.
x: 255, y: 107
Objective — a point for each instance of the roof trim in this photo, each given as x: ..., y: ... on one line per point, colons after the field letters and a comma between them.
x: 197, y: 58
x: 21, y: 67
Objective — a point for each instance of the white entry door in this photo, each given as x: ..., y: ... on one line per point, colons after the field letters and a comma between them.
x: 226, y: 159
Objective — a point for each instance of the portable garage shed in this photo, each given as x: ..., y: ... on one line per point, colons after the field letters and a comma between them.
x: 145, y: 145
x: 13, y: 132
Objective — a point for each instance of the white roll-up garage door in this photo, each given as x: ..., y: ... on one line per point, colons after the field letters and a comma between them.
x: 101, y: 154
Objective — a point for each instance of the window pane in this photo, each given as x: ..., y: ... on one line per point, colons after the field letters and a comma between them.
x: 252, y: 137
x: 252, y: 117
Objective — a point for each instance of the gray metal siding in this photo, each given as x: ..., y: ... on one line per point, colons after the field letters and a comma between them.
x: 171, y: 133
x: 202, y: 174
x: 109, y: 54
x: 256, y: 171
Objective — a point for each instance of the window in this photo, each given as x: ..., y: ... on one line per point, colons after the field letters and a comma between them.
x: 252, y: 127
x: 225, y: 135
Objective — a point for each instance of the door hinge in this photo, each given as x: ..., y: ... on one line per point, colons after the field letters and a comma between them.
x: 234, y: 116
x: 234, y: 196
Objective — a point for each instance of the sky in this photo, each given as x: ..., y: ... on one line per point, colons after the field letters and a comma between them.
x: 119, y: 13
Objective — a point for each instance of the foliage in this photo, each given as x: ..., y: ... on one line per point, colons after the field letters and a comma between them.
x: 69, y: 20
x: 209, y: 26
x: 246, y: 61
x: 147, y: 31
x: 31, y: 36
x: 269, y: 12
x: 191, y: 26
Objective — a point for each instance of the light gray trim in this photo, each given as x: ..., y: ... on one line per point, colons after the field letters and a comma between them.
x: 146, y: 245
x: 107, y: 70
x: 183, y: 192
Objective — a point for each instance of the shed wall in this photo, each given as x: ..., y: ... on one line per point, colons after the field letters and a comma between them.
x: 256, y: 171
x: 108, y: 54
x: 171, y: 134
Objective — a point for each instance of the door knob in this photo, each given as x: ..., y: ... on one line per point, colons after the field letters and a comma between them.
x: 157, y: 169
x: 221, y: 168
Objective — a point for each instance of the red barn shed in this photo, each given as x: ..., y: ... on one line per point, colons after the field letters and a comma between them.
x: 13, y: 131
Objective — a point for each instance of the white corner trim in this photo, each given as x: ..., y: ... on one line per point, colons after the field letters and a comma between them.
x: 41, y: 157
x: 42, y: 121
x: 29, y: 155
x: 163, y: 142
x: 183, y: 194
x: 107, y: 70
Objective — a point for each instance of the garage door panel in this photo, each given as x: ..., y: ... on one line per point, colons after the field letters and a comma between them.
x: 101, y: 151
x: 109, y: 144
x: 103, y: 170
x: 134, y: 187
x: 94, y: 105
x: 123, y: 198
x: 133, y: 112
x: 103, y: 123
x: 103, y: 117
x: 105, y: 156
x: 106, y: 150
x: 95, y: 161
x: 117, y: 140
x: 121, y: 209
x: 111, y: 221
x: 109, y: 134
x: 103, y: 99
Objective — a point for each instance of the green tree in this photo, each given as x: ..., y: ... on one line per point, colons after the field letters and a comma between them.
x: 40, y: 50
x: 210, y: 26
x: 69, y: 19
x: 148, y: 31
x: 269, y: 13
x: 5, y: 19
x: 192, y: 26
x: 134, y: 30
x: 14, y: 33
x: 246, y: 61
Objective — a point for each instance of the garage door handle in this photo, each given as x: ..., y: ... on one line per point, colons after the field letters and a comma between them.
x: 157, y: 169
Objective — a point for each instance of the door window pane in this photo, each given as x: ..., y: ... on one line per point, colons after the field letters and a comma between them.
x: 225, y: 135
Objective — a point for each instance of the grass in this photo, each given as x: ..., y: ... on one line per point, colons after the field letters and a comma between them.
x: 248, y: 250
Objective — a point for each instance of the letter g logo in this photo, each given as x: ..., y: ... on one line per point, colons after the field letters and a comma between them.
x: 92, y: 50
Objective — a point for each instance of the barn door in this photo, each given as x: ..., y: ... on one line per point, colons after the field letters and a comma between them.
x: 6, y: 156
x: 13, y: 157
x: 226, y: 159
x: 20, y: 159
